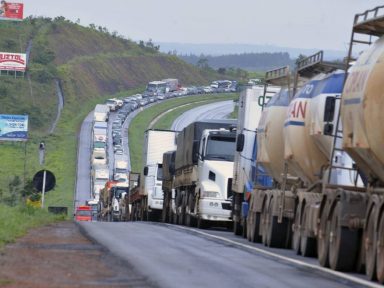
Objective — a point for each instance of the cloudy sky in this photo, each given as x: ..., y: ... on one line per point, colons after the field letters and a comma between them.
x: 323, y: 24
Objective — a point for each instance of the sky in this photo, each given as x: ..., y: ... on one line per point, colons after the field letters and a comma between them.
x: 320, y: 24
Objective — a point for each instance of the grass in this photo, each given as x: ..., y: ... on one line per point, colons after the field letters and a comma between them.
x: 61, y: 149
x: 141, y: 122
x: 15, y: 221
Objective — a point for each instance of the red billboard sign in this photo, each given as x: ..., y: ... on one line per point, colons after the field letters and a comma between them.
x: 11, y: 11
x: 13, y: 61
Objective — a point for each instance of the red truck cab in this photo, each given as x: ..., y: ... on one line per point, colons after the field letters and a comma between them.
x: 83, y: 213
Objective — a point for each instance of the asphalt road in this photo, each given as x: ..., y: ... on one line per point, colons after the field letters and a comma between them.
x: 218, y: 110
x: 172, y: 256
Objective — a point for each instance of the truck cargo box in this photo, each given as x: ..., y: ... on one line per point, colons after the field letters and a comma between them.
x: 188, y: 140
x: 169, y: 165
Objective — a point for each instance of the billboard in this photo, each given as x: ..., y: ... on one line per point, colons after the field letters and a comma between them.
x: 13, y: 127
x: 11, y: 11
x: 13, y: 61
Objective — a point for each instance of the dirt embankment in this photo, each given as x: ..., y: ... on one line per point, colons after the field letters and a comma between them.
x: 60, y: 256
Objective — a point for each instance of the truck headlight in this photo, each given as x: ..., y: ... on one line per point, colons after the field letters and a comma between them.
x: 210, y: 194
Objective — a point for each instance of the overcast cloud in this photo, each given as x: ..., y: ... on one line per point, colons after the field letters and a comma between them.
x: 322, y: 24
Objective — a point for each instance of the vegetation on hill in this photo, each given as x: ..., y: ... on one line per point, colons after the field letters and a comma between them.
x: 244, y: 61
x: 91, y: 64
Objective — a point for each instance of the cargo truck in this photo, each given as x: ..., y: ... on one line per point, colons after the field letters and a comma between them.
x: 244, y: 172
x: 172, y: 85
x: 101, y: 113
x: 203, y: 173
x: 100, y: 175
x: 147, y: 197
x: 167, y: 186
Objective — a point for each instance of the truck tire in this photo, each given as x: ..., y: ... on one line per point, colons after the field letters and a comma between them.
x: 380, y: 250
x: 323, y: 239
x: 296, y: 237
x: 370, y: 242
x: 307, y: 244
x: 343, y: 243
x: 201, y: 223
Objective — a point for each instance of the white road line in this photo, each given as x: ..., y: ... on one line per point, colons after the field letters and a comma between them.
x: 290, y: 260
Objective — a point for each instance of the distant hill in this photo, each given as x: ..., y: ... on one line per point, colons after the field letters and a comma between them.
x: 90, y: 62
x: 217, y: 49
x: 246, y: 61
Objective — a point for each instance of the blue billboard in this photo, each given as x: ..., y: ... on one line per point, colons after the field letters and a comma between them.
x: 13, y: 127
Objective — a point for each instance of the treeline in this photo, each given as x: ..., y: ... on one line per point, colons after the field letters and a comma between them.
x: 246, y: 61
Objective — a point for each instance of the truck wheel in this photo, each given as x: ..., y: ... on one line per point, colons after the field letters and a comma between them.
x: 380, y: 250
x: 343, y: 243
x: 277, y: 232
x: 307, y: 244
x: 237, y: 229
x: 370, y: 245
x: 201, y: 223
x: 255, y: 235
x: 250, y: 225
x: 296, y: 237
x: 323, y: 239
x: 264, y: 223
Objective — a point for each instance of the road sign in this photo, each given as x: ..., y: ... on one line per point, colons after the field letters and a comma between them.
x: 38, y: 179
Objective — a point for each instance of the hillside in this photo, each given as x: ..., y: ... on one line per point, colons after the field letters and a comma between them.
x: 91, y: 64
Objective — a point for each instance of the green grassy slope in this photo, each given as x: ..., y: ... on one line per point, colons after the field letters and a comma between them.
x: 92, y: 66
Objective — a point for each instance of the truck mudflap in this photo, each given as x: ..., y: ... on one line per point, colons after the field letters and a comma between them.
x: 215, y: 209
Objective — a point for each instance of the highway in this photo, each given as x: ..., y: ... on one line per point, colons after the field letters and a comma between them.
x: 176, y: 256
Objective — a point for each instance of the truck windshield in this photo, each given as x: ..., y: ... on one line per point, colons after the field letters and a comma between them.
x: 220, y: 148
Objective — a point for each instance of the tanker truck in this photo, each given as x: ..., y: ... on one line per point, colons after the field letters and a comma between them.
x: 263, y: 197
x: 203, y: 173
x: 147, y: 197
x: 351, y: 229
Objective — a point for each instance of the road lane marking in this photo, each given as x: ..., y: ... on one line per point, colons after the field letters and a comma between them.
x: 350, y: 278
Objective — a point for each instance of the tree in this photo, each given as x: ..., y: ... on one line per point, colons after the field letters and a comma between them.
x: 202, y: 63
x: 221, y: 70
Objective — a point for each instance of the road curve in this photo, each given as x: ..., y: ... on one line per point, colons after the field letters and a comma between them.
x: 218, y: 110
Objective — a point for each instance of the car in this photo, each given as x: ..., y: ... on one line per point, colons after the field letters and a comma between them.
x: 160, y: 97
x: 117, y: 146
x: 119, y: 151
x: 117, y: 141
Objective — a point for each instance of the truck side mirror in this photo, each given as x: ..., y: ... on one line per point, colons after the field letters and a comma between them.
x: 240, y: 142
x: 328, y: 129
x: 145, y: 171
x: 329, y: 110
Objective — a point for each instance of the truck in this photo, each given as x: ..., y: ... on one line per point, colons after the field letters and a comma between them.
x: 99, y: 157
x: 99, y: 134
x: 83, y: 213
x: 203, y: 174
x: 100, y: 175
x: 167, y: 186
x: 155, y: 88
x: 251, y: 103
x: 101, y: 113
x: 147, y: 197
x: 332, y: 143
x: 172, y: 85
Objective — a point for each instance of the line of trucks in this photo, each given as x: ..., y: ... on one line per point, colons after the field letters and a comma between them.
x: 304, y: 170
x: 108, y: 195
